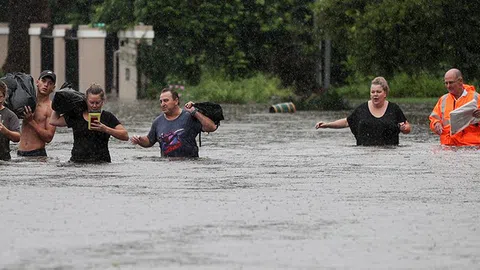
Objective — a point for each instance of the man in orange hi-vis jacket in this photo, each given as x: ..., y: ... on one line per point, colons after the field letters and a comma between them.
x: 458, y: 95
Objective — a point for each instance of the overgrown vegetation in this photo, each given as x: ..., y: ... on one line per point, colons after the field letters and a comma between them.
x: 330, y: 100
x: 401, y: 85
x: 388, y: 37
x: 409, y: 42
x: 214, y: 86
x: 242, y: 38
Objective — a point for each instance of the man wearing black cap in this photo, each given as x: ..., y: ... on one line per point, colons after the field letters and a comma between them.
x: 36, y: 130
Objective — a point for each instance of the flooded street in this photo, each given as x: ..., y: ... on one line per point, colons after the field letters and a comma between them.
x: 268, y: 192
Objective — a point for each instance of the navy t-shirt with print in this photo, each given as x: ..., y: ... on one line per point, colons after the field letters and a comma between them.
x: 176, y: 137
x: 370, y: 130
x: 89, y: 145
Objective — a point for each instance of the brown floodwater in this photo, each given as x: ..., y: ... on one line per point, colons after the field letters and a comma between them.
x: 268, y: 192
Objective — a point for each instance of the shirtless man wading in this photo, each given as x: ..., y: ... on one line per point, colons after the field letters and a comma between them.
x: 36, y: 130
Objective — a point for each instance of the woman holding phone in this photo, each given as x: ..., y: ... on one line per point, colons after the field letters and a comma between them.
x: 92, y: 128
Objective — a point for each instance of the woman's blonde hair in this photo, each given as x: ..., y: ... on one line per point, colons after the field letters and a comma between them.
x: 95, y: 89
x: 382, y: 82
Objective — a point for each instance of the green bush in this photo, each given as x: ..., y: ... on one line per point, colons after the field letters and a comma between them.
x: 357, y: 90
x: 215, y: 87
x: 330, y: 100
x: 421, y: 85
x: 401, y: 85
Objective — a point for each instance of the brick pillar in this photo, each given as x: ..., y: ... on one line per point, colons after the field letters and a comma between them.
x: 35, y: 31
x: 58, y: 34
x: 91, y: 57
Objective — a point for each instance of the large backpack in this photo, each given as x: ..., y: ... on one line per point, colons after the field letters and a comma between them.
x: 21, y: 92
x: 69, y: 101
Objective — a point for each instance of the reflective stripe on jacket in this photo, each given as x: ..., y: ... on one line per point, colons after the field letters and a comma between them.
x: 441, y: 113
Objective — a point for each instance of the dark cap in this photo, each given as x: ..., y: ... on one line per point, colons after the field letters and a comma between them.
x: 48, y: 73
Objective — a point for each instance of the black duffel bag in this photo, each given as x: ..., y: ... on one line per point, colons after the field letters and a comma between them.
x: 21, y: 92
x: 211, y: 110
x: 69, y: 101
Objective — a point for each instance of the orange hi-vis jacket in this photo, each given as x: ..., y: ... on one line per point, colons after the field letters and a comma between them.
x: 441, y: 113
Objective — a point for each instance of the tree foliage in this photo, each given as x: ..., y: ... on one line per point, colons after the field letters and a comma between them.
x: 239, y: 37
x: 384, y: 37
x: 74, y: 12
x: 20, y: 15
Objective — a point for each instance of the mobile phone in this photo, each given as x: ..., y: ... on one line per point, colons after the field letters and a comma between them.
x: 93, y: 117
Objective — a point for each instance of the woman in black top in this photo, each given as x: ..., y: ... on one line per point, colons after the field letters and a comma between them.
x: 376, y: 122
x: 91, y: 145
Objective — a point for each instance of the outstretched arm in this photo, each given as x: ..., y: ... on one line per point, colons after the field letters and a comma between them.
x: 340, y: 123
x: 143, y: 141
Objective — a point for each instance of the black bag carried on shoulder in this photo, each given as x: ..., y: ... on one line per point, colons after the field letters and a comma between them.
x: 211, y: 110
x: 21, y: 92
x: 69, y: 101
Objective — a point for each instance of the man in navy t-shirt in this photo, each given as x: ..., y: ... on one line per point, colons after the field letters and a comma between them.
x: 176, y: 129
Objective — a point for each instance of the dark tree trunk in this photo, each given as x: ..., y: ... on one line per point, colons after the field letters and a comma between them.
x: 21, y: 14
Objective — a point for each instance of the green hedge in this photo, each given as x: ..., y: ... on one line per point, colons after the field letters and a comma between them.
x: 402, y: 85
x: 214, y: 86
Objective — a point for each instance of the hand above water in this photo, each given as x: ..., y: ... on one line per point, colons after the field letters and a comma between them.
x: 143, y: 141
x: 189, y: 106
x: 476, y: 113
x: 321, y: 125
x: 97, y: 126
x: 135, y: 139
x: 27, y: 114
x: 438, y: 128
